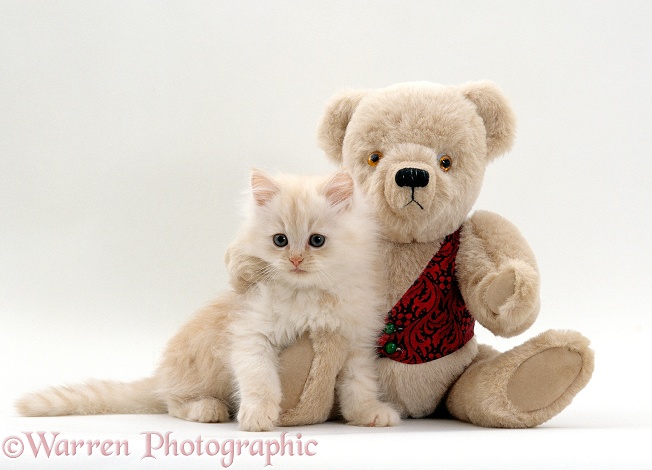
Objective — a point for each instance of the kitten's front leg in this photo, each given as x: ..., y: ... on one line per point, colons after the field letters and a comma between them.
x: 358, y: 392
x: 255, y: 365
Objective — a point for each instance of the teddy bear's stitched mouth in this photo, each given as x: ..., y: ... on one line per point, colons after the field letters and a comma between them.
x: 413, y: 200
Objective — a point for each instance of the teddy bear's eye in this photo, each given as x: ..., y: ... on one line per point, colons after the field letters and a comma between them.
x: 445, y: 162
x: 374, y: 158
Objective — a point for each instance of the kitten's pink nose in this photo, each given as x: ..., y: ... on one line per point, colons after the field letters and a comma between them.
x: 296, y: 260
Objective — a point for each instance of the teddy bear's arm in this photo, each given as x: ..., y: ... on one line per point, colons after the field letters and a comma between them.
x: 244, y: 270
x: 498, y: 274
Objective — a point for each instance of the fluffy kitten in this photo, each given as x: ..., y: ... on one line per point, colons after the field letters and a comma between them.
x: 308, y: 245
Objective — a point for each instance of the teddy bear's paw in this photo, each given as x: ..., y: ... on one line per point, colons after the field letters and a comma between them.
x: 258, y: 416
x: 525, y: 386
x: 375, y: 415
x: 500, y: 289
x: 512, y: 296
x: 204, y: 410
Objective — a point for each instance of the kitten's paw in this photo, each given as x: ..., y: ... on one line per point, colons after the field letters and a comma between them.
x: 377, y: 414
x: 258, y: 417
x: 204, y: 410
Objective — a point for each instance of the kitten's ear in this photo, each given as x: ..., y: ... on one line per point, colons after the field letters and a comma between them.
x: 263, y: 187
x: 339, y: 190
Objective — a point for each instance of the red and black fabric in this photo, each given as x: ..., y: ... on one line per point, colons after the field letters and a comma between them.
x: 431, y: 320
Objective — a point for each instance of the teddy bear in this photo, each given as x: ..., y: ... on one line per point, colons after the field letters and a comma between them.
x: 419, y: 152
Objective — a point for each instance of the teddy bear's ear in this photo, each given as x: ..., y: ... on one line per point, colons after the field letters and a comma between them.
x: 496, y: 112
x: 331, y: 130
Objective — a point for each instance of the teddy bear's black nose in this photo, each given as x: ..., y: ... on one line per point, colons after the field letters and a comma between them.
x: 412, y: 177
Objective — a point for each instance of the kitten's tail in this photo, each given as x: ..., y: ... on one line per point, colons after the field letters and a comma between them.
x: 94, y: 397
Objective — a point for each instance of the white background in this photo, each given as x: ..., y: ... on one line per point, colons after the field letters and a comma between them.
x: 127, y: 131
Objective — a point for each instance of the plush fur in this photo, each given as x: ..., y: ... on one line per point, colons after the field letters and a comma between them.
x: 416, y: 125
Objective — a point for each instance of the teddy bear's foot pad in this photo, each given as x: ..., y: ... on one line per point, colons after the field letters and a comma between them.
x: 543, y: 378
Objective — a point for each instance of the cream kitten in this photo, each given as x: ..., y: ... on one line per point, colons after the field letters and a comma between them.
x: 317, y: 242
x: 309, y: 246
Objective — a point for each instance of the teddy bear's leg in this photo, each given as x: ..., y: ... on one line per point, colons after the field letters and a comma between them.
x: 294, y: 366
x: 308, y: 374
x: 525, y: 386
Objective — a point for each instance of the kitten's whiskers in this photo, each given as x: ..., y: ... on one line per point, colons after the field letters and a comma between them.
x: 327, y: 278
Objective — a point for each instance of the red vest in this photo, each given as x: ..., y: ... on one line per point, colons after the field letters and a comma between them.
x: 431, y: 319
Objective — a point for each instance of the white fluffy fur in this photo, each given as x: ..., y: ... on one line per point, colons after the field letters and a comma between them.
x: 231, y: 347
x: 331, y: 288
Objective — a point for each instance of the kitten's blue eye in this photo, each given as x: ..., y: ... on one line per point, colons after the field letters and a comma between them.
x: 316, y: 240
x: 280, y: 240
